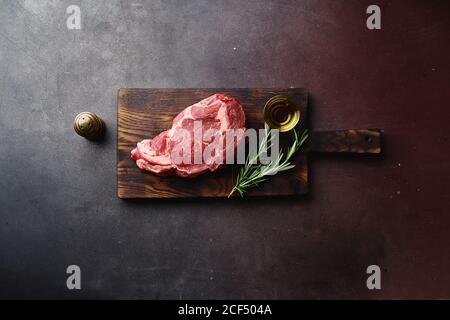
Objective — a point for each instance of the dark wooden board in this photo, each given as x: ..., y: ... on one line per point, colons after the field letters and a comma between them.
x: 143, y: 113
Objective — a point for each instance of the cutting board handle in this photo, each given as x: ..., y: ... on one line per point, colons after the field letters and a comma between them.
x: 351, y: 141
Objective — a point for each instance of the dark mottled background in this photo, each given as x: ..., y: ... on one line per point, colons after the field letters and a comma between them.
x: 57, y: 191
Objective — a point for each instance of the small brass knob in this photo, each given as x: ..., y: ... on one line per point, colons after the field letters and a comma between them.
x: 89, y: 125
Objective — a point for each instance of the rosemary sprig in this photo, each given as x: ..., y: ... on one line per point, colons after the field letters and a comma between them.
x: 252, y: 175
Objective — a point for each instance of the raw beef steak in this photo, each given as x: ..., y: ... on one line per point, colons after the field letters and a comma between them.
x: 215, y: 115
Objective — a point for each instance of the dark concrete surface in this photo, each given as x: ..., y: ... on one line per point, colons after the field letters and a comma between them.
x: 57, y: 191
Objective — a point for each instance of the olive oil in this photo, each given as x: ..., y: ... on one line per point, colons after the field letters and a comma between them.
x: 281, y: 113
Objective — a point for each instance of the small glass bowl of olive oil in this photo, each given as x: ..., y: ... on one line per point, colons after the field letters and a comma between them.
x: 281, y: 113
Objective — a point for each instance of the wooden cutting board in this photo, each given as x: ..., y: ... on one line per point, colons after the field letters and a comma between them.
x: 143, y: 113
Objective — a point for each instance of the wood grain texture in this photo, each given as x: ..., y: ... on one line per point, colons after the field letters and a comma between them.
x: 143, y: 113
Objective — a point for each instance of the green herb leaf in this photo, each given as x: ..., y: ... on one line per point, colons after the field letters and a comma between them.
x: 252, y: 175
